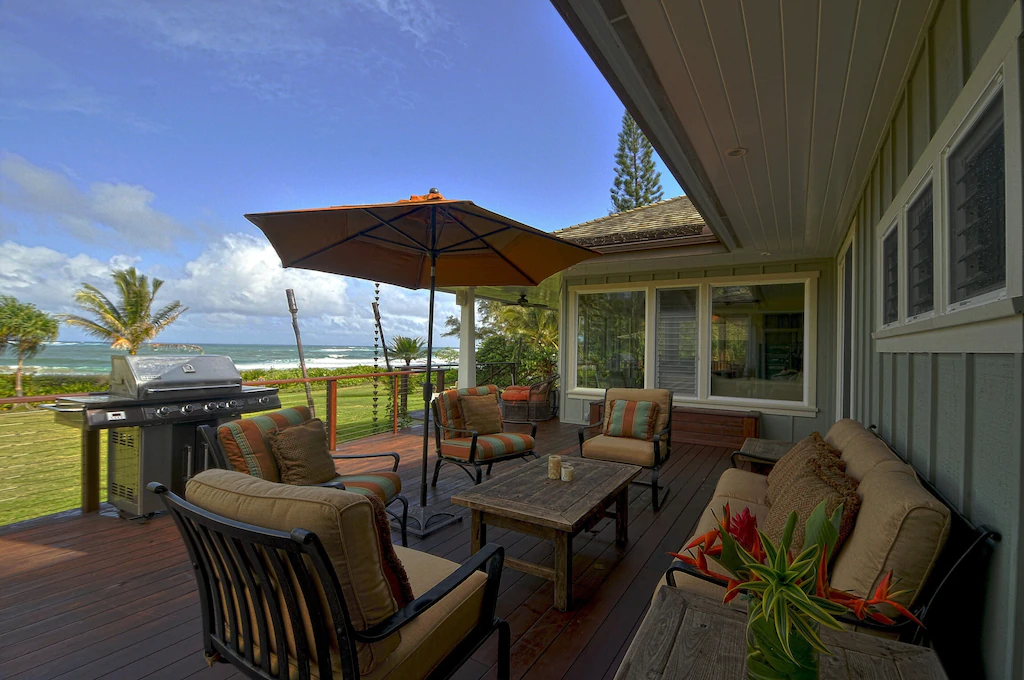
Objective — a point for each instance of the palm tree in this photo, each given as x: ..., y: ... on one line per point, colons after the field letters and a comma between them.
x: 24, y: 327
x: 131, y: 322
x: 407, y: 349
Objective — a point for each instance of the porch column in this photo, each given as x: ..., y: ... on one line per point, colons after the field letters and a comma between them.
x: 466, y: 299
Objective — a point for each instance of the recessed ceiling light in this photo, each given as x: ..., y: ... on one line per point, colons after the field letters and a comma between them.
x: 736, y: 152
x: 766, y: 253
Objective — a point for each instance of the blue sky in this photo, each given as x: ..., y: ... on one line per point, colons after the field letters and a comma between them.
x: 139, y: 132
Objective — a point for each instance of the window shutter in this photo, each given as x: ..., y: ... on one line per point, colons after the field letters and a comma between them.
x: 920, y: 255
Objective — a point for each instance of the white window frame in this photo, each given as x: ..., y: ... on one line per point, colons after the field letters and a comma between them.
x: 845, y: 392
x: 930, y: 180
x: 900, y: 277
x: 807, y: 407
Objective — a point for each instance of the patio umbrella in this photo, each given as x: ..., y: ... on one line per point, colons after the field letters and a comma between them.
x: 421, y: 242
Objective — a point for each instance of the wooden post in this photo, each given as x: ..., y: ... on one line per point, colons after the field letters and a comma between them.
x: 394, y: 404
x: 293, y: 308
x: 440, y: 381
x: 332, y: 413
x: 90, y: 470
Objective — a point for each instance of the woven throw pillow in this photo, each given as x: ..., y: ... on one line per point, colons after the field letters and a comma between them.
x: 301, y: 453
x: 803, y: 496
x: 795, y: 460
x: 481, y: 413
x: 394, y: 570
x: 633, y: 419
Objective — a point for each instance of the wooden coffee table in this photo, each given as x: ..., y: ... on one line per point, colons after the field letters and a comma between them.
x: 525, y: 500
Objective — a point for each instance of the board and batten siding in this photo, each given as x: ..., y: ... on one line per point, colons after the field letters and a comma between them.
x: 775, y: 426
x: 956, y: 413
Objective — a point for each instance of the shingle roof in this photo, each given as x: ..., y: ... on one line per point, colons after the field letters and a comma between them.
x: 671, y: 218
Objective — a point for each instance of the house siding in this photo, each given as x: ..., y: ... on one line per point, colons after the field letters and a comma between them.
x: 774, y: 426
x: 957, y: 416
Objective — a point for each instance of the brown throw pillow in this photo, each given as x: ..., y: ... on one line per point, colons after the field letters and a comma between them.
x: 794, y: 462
x: 481, y: 413
x: 802, y: 496
x: 301, y: 453
x: 394, y: 570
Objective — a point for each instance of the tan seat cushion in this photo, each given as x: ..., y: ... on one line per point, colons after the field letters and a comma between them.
x: 636, y: 394
x: 619, y: 450
x: 901, y: 527
x: 435, y: 633
x: 744, y: 485
x: 302, y: 454
x: 342, y: 520
x: 802, y: 495
x: 794, y: 463
x: 481, y: 413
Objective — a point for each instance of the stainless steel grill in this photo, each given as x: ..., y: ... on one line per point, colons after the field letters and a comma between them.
x: 152, y: 410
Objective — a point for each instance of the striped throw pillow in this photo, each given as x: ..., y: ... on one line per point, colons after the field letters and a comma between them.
x: 633, y: 419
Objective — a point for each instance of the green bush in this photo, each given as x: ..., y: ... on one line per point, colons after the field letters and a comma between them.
x: 38, y: 385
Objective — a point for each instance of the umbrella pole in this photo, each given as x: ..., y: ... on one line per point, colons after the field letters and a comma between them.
x: 428, y: 524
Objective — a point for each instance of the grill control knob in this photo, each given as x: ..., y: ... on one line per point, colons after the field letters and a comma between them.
x: 212, y: 406
x: 264, y: 400
x: 222, y: 404
x: 163, y: 411
x: 186, y: 409
x: 234, y: 404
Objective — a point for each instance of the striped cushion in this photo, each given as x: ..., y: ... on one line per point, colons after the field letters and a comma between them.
x: 448, y: 406
x: 633, y: 419
x: 383, y: 485
x: 487, y: 446
x: 246, y: 445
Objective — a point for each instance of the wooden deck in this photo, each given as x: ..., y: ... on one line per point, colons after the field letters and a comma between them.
x: 94, y: 596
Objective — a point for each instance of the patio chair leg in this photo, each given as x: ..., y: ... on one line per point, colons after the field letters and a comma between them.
x: 504, y: 651
x: 437, y: 471
x: 479, y: 473
x: 405, y: 520
x: 655, y: 501
x: 489, y: 465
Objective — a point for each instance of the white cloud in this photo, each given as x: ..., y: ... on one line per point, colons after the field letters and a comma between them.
x: 113, y: 212
x: 234, y: 291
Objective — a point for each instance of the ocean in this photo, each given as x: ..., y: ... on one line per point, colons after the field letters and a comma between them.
x: 92, y: 358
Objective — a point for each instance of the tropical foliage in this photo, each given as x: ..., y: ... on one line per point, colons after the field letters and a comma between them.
x: 526, y: 336
x: 637, y: 181
x: 131, y: 322
x: 789, y: 598
x: 407, y: 349
x: 24, y: 329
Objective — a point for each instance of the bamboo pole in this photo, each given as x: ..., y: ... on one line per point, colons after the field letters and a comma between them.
x: 298, y: 341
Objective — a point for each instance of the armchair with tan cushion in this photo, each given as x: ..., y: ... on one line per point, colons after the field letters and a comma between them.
x: 649, y: 446
x: 308, y: 576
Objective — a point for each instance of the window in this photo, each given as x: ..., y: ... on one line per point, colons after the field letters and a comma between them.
x: 977, y: 224
x: 757, y: 341
x: 610, y: 339
x: 676, y: 333
x: 890, y: 277
x: 920, y: 255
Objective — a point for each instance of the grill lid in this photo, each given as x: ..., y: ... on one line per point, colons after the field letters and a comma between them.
x: 150, y: 377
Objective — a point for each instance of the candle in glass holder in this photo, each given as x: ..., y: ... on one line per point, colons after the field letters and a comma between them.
x: 554, y: 467
x: 567, y: 473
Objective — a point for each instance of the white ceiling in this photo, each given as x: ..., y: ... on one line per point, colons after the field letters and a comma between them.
x: 806, y: 86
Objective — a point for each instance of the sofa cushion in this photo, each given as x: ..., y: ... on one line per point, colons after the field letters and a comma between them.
x: 901, y: 527
x: 385, y: 485
x: 619, y: 450
x: 865, y: 451
x: 436, y: 632
x: 302, y: 453
x: 662, y: 397
x: 795, y: 461
x: 481, y: 413
x: 744, y: 485
x: 343, y: 521
x: 634, y: 419
x: 245, y: 444
x: 802, y: 495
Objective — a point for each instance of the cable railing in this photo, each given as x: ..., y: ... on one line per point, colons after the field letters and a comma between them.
x: 41, y: 462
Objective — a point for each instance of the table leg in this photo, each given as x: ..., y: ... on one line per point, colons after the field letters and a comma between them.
x: 90, y: 470
x: 563, y: 571
x: 622, y: 517
x: 477, y: 532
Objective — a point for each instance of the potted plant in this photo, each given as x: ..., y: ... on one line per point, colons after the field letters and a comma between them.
x: 788, y: 598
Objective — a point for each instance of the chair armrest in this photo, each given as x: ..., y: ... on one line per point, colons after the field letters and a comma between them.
x: 738, y: 457
x: 667, y: 435
x: 473, y: 433
x: 348, y: 456
x: 490, y: 558
x: 680, y: 566
x: 533, y: 425
x: 583, y: 430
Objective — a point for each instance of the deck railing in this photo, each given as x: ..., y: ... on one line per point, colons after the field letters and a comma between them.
x: 43, y: 471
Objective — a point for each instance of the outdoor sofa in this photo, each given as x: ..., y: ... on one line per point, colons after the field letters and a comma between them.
x: 904, y: 525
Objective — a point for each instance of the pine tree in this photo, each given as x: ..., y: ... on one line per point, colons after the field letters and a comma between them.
x: 637, y: 180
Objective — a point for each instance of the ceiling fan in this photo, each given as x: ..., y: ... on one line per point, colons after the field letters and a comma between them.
x: 524, y: 302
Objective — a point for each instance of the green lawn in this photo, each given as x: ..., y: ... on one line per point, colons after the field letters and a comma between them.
x: 40, y: 462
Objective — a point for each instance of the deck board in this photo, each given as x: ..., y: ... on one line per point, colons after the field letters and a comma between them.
x: 99, y: 597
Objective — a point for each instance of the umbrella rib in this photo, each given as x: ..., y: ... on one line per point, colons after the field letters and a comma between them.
x: 346, y: 239
x: 523, y: 227
x: 393, y: 243
x: 470, y: 240
x: 387, y: 223
x: 497, y: 252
